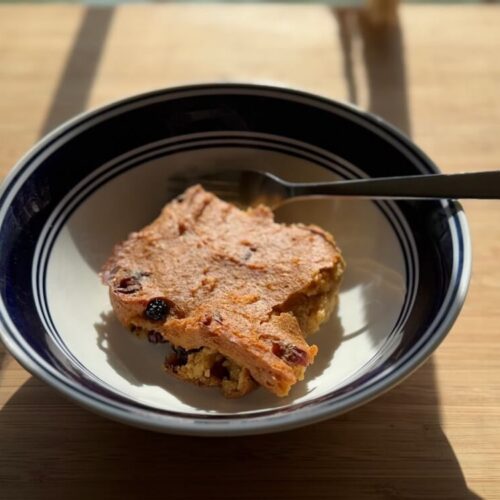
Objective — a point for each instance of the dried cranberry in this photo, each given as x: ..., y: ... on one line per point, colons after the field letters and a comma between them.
x: 155, y: 337
x: 207, y: 320
x: 157, y: 309
x: 130, y: 284
x: 290, y: 353
x: 278, y: 349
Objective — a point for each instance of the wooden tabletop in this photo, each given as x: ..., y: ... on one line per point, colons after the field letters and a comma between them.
x: 436, y: 75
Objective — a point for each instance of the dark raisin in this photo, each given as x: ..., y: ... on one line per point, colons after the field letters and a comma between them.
x: 180, y: 356
x: 290, y: 353
x: 130, y: 284
x: 278, y: 349
x: 182, y: 228
x: 155, y: 337
x: 219, y: 371
x: 157, y: 310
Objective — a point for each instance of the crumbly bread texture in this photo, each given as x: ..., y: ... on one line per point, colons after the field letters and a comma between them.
x: 233, y: 292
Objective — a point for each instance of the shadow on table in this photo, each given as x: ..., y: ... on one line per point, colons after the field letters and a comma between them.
x: 382, y: 48
x: 75, y: 84
x: 391, y: 448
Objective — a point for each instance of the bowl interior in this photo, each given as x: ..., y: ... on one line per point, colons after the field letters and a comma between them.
x: 373, y: 296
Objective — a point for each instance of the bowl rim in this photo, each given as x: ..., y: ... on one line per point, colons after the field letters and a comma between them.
x: 254, y: 424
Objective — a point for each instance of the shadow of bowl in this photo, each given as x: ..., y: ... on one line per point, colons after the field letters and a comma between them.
x: 393, y: 447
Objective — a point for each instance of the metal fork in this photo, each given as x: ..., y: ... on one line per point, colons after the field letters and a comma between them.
x: 251, y: 187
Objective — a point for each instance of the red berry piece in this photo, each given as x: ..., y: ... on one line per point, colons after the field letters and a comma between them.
x: 130, y: 284
x: 290, y: 353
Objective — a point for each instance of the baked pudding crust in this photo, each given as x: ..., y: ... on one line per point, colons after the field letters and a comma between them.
x: 232, y: 291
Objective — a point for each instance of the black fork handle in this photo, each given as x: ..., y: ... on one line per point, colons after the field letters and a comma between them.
x: 476, y: 185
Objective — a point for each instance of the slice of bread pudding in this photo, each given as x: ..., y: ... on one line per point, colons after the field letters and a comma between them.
x: 234, y: 292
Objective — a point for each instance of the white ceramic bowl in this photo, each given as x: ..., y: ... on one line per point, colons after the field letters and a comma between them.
x: 106, y: 173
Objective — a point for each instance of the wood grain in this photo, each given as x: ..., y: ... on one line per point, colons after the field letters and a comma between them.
x: 434, y: 74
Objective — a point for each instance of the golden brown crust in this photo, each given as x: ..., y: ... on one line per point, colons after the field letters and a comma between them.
x: 207, y: 367
x: 235, y: 283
